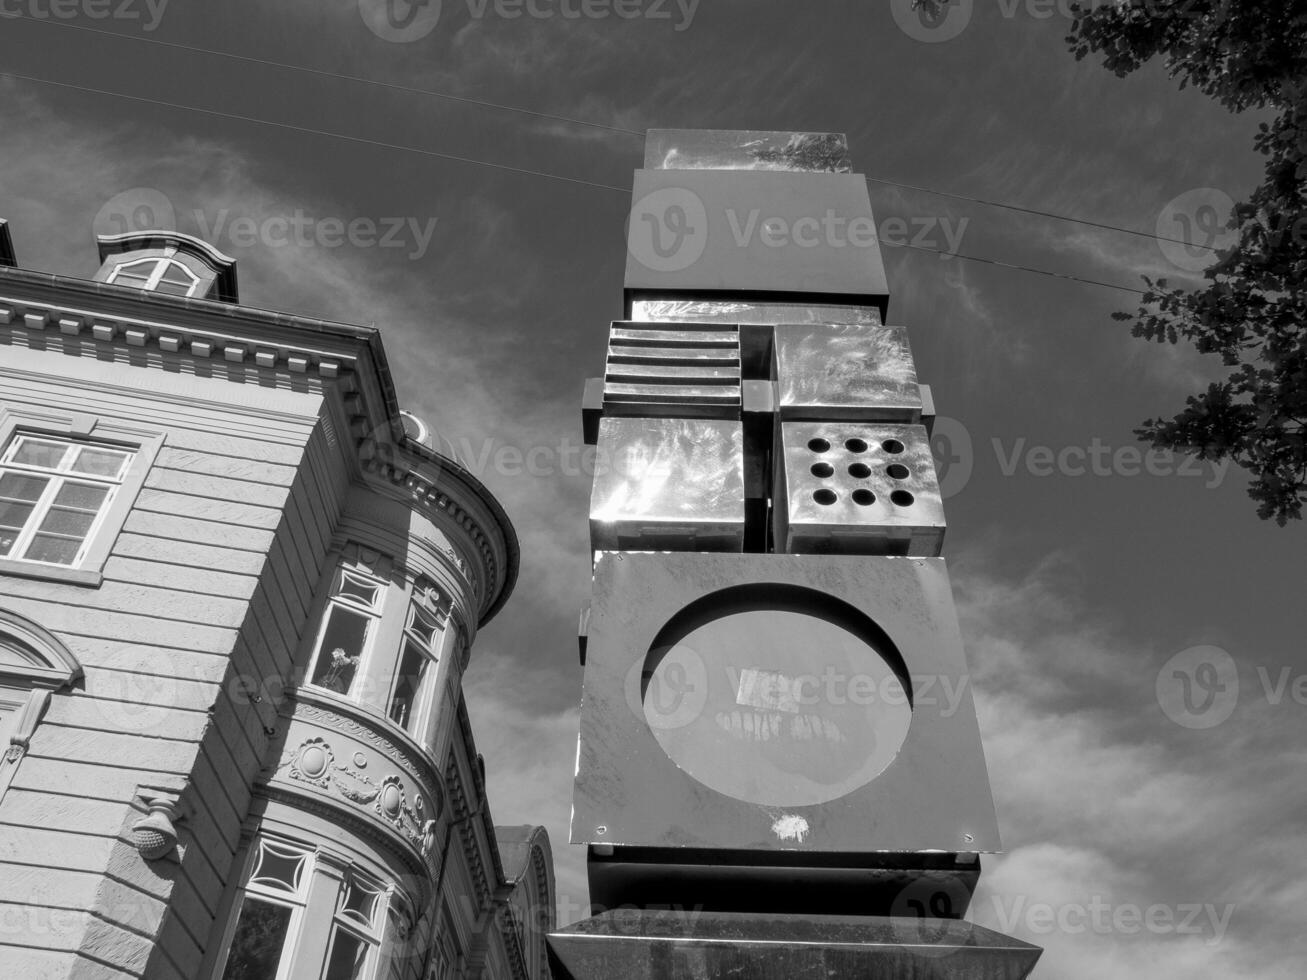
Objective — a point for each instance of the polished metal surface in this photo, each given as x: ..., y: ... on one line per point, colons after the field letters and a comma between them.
x: 668, y: 484
x: 686, y: 370
x: 653, y: 671
x: 732, y: 149
x: 689, y: 944
x: 733, y: 311
x: 828, y: 371
x: 856, y: 488
x: 754, y: 232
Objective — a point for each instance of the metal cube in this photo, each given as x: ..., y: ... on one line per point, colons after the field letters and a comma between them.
x: 856, y: 488
x: 846, y: 371
x: 664, y: 484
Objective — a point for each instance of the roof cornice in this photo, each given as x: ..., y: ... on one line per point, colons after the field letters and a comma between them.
x: 294, y: 345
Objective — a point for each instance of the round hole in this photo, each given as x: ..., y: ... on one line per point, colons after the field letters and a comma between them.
x: 860, y: 471
x: 855, y: 446
x: 892, y: 446
x: 901, y: 498
x: 823, y: 470
x: 897, y: 470
x: 824, y: 496
x: 864, y: 497
x: 818, y: 445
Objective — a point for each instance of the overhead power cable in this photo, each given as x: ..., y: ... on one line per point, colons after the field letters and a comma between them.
x: 504, y: 167
x: 591, y: 124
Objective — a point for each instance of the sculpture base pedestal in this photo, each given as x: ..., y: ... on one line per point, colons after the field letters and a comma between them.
x: 676, y: 945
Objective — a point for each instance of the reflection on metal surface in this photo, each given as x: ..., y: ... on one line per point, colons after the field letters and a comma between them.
x: 701, y: 945
x: 730, y: 311
x: 687, y: 370
x: 750, y: 235
x: 668, y: 484
x: 846, y: 372
x: 841, y: 638
x: 857, y: 488
x: 731, y: 149
x: 766, y: 732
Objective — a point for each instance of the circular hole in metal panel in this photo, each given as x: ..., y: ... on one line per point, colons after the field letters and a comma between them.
x: 819, y: 445
x: 776, y: 695
x: 901, y: 498
x: 823, y: 470
x: 863, y: 497
x: 859, y: 471
x: 897, y: 471
x: 825, y: 497
x: 855, y: 445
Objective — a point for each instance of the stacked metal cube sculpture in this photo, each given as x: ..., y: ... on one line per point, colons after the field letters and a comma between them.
x: 777, y: 725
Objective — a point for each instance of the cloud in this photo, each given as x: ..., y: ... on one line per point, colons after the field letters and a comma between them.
x: 1102, y: 798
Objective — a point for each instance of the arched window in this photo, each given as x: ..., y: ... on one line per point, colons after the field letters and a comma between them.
x: 33, y: 663
x: 160, y: 275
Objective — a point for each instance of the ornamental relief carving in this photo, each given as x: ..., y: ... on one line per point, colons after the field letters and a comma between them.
x: 314, y: 762
x: 396, y: 753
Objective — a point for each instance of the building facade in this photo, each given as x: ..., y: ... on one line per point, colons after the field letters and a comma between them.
x: 238, y: 592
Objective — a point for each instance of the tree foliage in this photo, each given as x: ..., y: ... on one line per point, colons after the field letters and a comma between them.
x: 1252, y: 310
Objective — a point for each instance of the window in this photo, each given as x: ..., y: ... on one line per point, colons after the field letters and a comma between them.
x: 419, y: 654
x: 53, y: 495
x: 356, y: 931
x: 271, y: 907
x: 348, y: 622
x: 158, y: 274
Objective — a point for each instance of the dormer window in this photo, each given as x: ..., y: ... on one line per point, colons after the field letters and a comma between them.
x: 167, y: 262
x: 160, y: 275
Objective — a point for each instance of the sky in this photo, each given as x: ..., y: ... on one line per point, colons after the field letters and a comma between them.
x: 1146, y: 836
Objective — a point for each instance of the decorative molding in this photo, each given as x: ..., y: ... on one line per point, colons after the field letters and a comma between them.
x: 29, y: 716
x: 155, y: 835
x: 131, y: 332
x: 314, y: 762
x: 418, y: 772
x: 380, y: 459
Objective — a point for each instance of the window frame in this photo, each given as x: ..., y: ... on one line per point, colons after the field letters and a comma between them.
x: 297, y: 902
x: 162, y: 263
x: 93, y: 430
x: 375, y: 613
x: 423, y: 605
x: 57, y: 478
x: 345, y: 920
